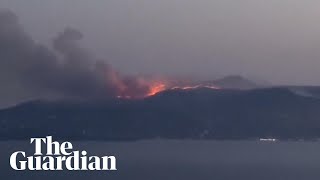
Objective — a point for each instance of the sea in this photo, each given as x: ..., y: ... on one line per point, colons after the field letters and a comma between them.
x: 184, y: 160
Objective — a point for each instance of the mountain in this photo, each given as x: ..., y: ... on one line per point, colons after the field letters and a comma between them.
x: 176, y: 114
x: 235, y: 82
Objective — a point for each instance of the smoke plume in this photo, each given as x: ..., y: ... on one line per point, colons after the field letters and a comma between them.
x: 68, y: 71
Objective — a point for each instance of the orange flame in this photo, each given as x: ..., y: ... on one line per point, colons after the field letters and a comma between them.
x: 156, y: 88
x: 159, y: 87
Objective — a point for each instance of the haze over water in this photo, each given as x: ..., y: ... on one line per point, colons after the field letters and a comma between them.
x: 187, y: 160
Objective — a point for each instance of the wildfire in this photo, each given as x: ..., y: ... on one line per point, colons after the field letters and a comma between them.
x: 156, y: 88
x: 159, y: 87
x: 195, y: 87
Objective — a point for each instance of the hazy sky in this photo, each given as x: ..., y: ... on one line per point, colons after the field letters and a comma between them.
x: 274, y: 40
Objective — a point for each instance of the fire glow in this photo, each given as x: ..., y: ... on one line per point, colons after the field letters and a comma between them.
x: 160, y: 86
x: 156, y: 88
x: 195, y: 87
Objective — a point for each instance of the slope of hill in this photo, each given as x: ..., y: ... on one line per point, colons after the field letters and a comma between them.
x: 178, y: 114
x: 235, y: 82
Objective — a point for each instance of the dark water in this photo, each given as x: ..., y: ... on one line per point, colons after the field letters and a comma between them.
x: 165, y: 160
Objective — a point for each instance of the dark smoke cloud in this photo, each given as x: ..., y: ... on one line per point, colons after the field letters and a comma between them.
x: 71, y: 73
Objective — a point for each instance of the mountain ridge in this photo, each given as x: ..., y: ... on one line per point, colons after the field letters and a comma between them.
x: 174, y: 114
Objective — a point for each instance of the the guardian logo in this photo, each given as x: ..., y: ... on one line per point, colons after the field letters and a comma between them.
x: 59, y: 157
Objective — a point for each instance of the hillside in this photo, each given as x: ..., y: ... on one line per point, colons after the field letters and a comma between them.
x: 177, y: 114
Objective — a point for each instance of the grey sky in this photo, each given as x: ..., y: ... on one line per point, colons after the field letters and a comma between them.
x: 278, y: 41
